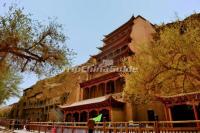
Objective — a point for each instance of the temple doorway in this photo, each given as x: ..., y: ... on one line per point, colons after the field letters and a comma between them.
x: 182, y: 112
x: 198, y: 110
x: 76, y: 117
x: 151, y: 115
x: 83, y: 116
x: 68, y: 117
x: 105, y: 114
x: 93, y: 114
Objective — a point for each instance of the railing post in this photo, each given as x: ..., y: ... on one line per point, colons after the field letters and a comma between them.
x: 73, y: 129
x: 53, y: 129
x: 45, y: 128
x: 156, y: 124
x: 62, y: 129
x: 126, y: 127
x: 104, y: 127
x: 38, y: 128
x: 114, y: 128
x: 140, y: 130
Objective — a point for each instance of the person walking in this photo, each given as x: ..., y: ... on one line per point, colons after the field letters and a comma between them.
x: 10, y: 124
x: 15, y: 124
x: 91, y: 124
x: 27, y: 125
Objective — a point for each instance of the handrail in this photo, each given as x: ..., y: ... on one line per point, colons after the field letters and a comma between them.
x: 130, y: 122
x: 115, y: 127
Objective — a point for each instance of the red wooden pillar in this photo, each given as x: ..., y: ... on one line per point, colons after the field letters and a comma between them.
x: 97, y: 111
x: 79, y: 116
x: 64, y: 116
x: 195, y: 112
x: 72, y: 116
x: 97, y: 93
x: 87, y: 115
x: 166, y: 112
x: 110, y: 113
x: 105, y: 85
x: 89, y: 91
x: 115, y: 85
x: 170, y: 116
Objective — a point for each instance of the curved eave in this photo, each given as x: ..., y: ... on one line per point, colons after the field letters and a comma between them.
x: 93, y: 103
x: 97, y: 55
x: 131, y: 47
x: 119, y: 28
x: 180, y: 98
x: 100, y: 48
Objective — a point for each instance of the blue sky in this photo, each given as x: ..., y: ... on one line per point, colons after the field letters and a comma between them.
x: 86, y: 21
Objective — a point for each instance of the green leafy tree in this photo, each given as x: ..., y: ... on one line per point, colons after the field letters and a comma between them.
x: 9, y: 80
x: 169, y: 65
x: 28, y: 45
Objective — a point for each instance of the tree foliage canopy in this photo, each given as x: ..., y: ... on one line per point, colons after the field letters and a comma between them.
x: 169, y: 65
x: 28, y: 45
x: 9, y: 80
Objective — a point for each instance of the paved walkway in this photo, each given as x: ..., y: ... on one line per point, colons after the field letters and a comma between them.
x: 3, y: 130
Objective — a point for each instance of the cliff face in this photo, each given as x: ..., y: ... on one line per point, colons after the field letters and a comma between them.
x: 5, y: 111
x: 40, y: 101
x: 183, y: 23
x: 65, y: 83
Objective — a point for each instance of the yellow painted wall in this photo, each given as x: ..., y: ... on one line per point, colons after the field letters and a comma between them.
x: 141, y: 111
x: 117, y: 114
x: 129, y: 111
x: 142, y: 31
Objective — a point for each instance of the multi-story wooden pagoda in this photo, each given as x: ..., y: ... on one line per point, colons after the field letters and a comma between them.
x: 102, y: 92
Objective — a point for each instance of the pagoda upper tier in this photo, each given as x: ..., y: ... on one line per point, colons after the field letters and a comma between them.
x: 116, y: 43
x: 119, y: 43
x: 120, y: 32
